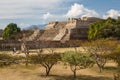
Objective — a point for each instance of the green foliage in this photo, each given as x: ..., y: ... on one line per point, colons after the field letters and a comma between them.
x: 79, y: 59
x: 75, y: 59
x: 10, y: 30
x: 110, y: 21
x: 46, y: 60
x: 94, y: 29
x: 110, y: 31
x: 104, y: 29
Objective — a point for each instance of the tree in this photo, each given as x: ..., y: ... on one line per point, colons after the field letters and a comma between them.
x: 46, y: 60
x: 10, y: 30
x: 110, y: 21
x: 76, y: 61
x: 94, y: 29
x: 108, y: 31
x: 99, y: 49
x: 104, y: 29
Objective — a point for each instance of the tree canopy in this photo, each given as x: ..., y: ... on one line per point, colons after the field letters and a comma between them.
x: 46, y: 60
x: 10, y: 30
x: 105, y: 29
x: 77, y: 60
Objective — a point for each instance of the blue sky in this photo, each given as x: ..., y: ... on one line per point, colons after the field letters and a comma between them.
x: 34, y: 12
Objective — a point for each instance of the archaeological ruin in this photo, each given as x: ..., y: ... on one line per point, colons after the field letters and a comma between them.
x: 55, y: 34
x: 72, y: 29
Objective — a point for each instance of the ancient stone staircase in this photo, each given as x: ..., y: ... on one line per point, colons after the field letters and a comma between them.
x: 49, y: 34
x: 60, y: 35
x: 60, y: 25
x: 34, y: 36
x: 66, y: 37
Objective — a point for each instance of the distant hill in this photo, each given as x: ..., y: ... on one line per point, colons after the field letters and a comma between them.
x: 41, y: 26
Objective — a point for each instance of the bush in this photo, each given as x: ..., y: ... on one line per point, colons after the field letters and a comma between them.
x: 5, y: 60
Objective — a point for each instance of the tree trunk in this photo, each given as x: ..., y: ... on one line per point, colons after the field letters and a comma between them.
x: 99, y: 66
x: 73, y: 69
x: 48, y: 70
x: 100, y: 69
x: 26, y: 62
x: 74, y: 73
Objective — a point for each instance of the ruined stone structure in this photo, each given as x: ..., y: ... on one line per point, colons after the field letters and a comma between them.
x: 73, y: 29
x: 37, y: 33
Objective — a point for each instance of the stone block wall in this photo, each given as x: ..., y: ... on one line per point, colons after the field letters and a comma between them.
x: 79, y: 34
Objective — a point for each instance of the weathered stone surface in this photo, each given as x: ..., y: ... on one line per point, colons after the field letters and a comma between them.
x: 37, y: 33
x: 73, y: 29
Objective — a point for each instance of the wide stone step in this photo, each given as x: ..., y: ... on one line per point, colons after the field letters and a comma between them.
x: 60, y: 35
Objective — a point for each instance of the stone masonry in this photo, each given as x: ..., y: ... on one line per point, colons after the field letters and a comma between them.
x: 72, y: 29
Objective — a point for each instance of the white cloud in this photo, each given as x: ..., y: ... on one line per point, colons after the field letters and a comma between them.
x: 53, y: 17
x: 111, y: 13
x: 78, y: 10
x: 47, y: 16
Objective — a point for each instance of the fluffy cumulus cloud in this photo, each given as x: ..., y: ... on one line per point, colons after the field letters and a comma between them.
x: 111, y: 13
x: 78, y: 10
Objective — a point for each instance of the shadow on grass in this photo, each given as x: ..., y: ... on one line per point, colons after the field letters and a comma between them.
x: 82, y: 77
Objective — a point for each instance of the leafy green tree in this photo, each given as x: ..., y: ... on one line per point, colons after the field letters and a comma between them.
x: 10, y: 30
x: 46, y: 60
x: 110, y: 21
x: 94, y: 29
x: 104, y: 29
x: 76, y: 61
x: 110, y: 31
